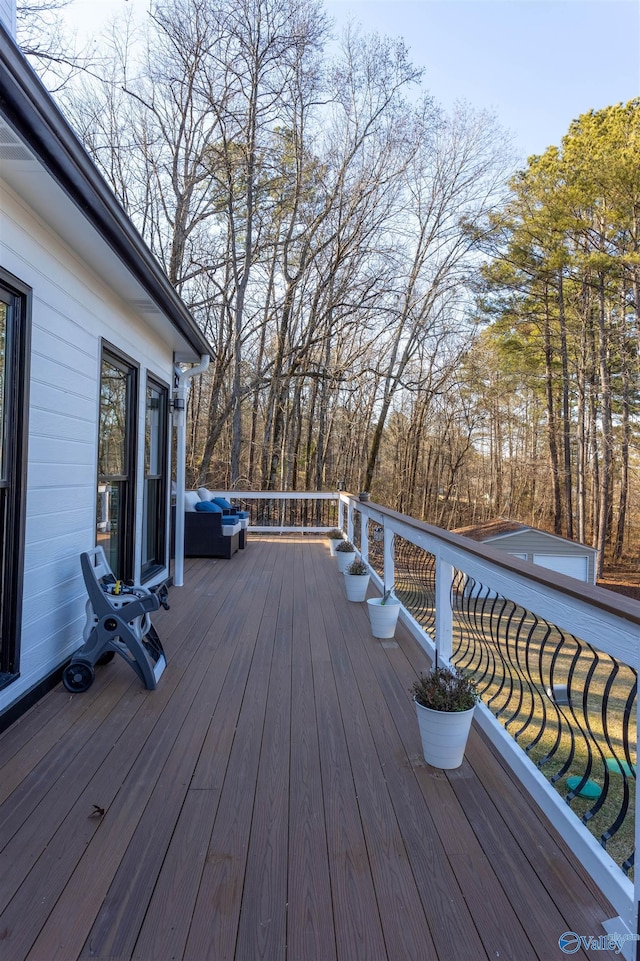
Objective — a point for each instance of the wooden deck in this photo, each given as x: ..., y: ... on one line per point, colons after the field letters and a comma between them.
x: 269, y: 799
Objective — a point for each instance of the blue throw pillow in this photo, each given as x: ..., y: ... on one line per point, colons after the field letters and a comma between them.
x: 221, y: 502
x: 208, y: 507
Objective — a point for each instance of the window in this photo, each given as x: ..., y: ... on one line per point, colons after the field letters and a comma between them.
x: 15, y: 325
x: 154, y: 517
x: 115, y: 515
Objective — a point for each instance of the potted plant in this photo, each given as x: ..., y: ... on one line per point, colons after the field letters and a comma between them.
x: 383, y: 614
x: 445, y: 700
x: 335, y: 536
x: 356, y: 580
x: 345, y: 553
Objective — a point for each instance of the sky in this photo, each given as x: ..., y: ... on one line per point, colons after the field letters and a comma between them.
x: 535, y: 64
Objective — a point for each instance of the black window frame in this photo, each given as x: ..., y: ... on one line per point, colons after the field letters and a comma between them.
x: 150, y: 568
x: 19, y: 297
x: 127, y: 482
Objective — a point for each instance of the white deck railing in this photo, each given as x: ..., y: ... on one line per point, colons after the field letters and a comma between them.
x: 286, y: 511
x: 602, y: 621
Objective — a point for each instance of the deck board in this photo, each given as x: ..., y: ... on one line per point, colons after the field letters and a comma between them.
x: 262, y: 926
x: 357, y: 922
x: 436, y: 885
x: 147, y: 748
x: 214, y: 925
x: 47, y: 723
x: 310, y: 925
x: 488, y: 903
x: 269, y: 801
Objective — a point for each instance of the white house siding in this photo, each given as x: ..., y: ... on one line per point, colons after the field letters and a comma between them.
x: 72, y: 310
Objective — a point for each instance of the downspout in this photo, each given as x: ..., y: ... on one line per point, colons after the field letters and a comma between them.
x: 180, y: 394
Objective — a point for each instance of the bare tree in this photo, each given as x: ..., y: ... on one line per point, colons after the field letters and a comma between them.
x: 44, y: 39
x: 451, y: 183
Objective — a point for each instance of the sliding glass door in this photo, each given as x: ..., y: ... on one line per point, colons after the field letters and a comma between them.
x: 154, y: 516
x: 15, y: 300
x: 115, y: 522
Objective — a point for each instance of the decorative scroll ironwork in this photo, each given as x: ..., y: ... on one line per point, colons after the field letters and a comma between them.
x: 376, y: 549
x: 357, y: 530
x: 415, y: 581
x: 569, y: 706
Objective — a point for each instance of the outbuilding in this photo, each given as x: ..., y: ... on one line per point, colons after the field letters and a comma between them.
x: 537, y: 546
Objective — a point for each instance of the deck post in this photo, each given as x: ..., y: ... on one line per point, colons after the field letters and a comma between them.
x: 180, y: 396
x: 389, y: 565
x: 629, y: 927
x: 340, y: 512
x: 364, y: 537
x: 444, y: 611
x: 350, y: 521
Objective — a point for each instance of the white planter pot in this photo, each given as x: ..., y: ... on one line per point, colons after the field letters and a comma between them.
x: 444, y: 735
x: 344, y: 559
x: 383, y: 617
x: 333, y: 544
x: 356, y: 586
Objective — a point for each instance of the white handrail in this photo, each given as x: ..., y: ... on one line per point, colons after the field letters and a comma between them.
x: 285, y: 496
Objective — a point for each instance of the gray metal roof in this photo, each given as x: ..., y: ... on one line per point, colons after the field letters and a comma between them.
x: 490, y: 529
x: 503, y: 527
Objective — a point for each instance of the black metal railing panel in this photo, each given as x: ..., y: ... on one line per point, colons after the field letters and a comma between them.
x: 415, y: 581
x: 570, y: 707
x: 289, y: 512
x: 357, y: 530
x: 376, y: 549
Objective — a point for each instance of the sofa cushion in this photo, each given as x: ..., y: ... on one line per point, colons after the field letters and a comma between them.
x: 228, y: 530
x: 204, y: 494
x: 222, y: 503
x: 208, y: 507
x: 190, y: 500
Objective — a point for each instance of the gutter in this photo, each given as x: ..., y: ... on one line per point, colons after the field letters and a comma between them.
x: 180, y: 395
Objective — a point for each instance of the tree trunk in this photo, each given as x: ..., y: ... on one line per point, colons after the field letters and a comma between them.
x: 604, y: 507
x: 581, y: 438
x: 551, y: 423
x: 619, y: 543
x: 566, y: 416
